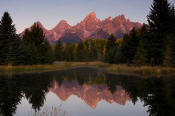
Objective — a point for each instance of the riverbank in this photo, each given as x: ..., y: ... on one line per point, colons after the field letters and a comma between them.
x: 21, y: 69
x: 112, y: 68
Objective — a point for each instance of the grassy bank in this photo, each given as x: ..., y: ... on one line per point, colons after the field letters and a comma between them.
x: 8, y: 69
x: 142, y: 70
x: 114, y: 68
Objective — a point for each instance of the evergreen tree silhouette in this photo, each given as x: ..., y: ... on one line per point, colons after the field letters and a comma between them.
x: 161, y: 22
x: 9, y: 42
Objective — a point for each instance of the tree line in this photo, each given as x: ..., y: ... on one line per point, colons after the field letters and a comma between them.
x: 153, y: 44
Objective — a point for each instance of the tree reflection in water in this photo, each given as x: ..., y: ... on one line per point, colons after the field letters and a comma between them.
x: 156, y: 93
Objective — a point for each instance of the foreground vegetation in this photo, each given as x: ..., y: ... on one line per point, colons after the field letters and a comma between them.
x: 112, y: 68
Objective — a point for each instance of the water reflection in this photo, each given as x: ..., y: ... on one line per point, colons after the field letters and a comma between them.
x: 92, y: 95
x: 92, y: 86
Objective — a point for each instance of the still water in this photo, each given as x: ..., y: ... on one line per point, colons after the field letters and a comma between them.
x: 86, y: 92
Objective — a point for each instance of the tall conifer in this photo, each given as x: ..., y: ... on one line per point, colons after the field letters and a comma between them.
x: 9, y: 42
x: 110, y: 50
x: 161, y: 20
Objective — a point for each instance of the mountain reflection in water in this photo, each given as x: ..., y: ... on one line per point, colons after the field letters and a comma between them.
x: 92, y: 95
x: 157, y: 95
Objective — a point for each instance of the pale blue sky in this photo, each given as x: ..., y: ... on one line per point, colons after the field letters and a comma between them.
x: 50, y: 12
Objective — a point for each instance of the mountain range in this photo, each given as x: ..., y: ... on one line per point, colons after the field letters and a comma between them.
x: 90, y: 27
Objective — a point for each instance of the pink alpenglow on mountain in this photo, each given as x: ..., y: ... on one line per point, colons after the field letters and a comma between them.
x: 91, y: 95
x: 90, y: 27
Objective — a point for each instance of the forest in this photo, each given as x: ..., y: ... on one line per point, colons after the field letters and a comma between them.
x: 153, y: 44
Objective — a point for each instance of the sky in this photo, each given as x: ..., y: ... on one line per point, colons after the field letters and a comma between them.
x: 49, y: 12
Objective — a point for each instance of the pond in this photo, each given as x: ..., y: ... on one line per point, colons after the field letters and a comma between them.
x: 86, y: 92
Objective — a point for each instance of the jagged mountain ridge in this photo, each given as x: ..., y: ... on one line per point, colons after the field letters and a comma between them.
x: 90, y: 27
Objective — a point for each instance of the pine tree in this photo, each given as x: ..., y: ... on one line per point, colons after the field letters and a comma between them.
x: 110, y: 50
x: 9, y: 42
x: 15, y: 53
x: 69, y: 52
x: 141, y: 56
x: 80, y: 52
x: 161, y: 17
x: 168, y: 57
x: 169, y: 54
x: 37, y: 48
x: 31, y: 55
x: 46, y: 53
x: 100, y: 45
x: 129, y: 47
x: 161, y: 20
x: 91, y: 49
x: 59, y: 55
